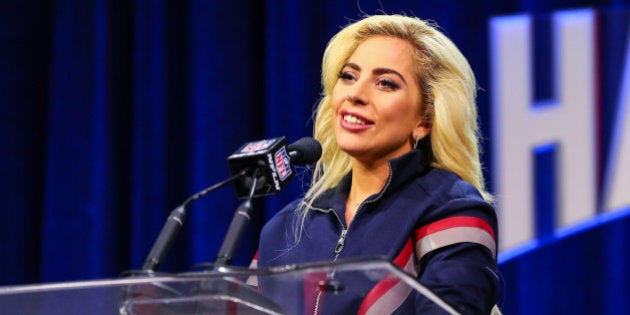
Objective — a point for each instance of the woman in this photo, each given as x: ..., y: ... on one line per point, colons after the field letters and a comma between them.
x: 400, y: 168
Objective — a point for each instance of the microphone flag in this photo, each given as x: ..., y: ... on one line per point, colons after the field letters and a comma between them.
x: 268, y: 160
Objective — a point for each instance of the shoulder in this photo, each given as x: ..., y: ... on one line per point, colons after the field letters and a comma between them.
x: 448, y: 196
x: 283, y: 218
x: 447, y: 186
x: 277, y: 234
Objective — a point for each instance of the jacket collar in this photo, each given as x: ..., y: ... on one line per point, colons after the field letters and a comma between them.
x: 402, y: 169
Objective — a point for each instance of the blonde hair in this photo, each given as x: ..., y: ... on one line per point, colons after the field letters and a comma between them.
x: 448, y: 89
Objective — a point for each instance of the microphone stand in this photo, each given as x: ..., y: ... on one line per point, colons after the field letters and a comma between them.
x: 213, y: 286
x: 229, y: 286
x: 241, y: 218
x: 172, y: 226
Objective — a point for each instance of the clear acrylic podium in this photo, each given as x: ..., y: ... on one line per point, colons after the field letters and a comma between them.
x: 223, y: 290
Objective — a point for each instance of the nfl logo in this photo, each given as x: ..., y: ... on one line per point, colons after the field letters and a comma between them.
x: 257, y: 146
x: 283, y: 167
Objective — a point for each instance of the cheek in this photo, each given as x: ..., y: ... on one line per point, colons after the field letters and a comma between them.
x: 400, y: 107
x: 403, y: 114
x: 337, y: 97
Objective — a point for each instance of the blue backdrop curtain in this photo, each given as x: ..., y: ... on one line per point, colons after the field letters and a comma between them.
x: 114, y: 112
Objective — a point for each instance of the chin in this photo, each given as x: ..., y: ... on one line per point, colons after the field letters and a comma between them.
x: 349, y: 148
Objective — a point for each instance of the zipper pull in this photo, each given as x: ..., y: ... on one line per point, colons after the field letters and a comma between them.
x: 341, y: 241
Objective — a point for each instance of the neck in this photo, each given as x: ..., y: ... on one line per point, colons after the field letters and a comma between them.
x: 366, y: 181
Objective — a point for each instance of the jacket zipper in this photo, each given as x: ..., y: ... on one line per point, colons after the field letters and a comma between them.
x: 342, y: 238
x: 341, y: 242
x: 338, y: 248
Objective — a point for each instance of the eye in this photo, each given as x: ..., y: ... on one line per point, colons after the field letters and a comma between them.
x: 387, y: 84
x: 346, y: 76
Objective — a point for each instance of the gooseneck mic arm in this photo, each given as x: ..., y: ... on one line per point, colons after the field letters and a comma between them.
x: 173, y: 224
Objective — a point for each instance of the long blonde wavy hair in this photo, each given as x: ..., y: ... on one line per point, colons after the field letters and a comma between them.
x: 448, y: 89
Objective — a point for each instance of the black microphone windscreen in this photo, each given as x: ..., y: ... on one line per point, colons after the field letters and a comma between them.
x: 267, y: 160
x: 305, y: 151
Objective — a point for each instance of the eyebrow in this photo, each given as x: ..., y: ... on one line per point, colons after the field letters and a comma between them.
x: 377, y: 71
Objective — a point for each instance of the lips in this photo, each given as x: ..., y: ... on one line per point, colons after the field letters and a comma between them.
x: 354, y: 121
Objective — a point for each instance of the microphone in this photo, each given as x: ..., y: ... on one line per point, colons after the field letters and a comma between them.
x: 250, y: 165
x: 273, y: 161
x: 260, y: 160
x: 305, y: 151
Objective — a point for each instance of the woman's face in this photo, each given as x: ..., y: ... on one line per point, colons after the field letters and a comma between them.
x: 376, y: 101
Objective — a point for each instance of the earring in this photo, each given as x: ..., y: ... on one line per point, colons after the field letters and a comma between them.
x: 417, y: 138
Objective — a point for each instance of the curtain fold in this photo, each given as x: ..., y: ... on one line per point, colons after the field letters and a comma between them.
x: 25, y: 41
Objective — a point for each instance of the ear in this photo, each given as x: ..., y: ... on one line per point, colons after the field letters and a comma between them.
x: 421, y: 130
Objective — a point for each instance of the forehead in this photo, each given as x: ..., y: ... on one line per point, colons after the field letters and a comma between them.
x: 385, y: 52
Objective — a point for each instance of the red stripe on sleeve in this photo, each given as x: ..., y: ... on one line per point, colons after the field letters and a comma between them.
x: 461, y: 221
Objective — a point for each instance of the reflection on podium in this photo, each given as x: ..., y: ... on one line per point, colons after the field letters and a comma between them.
x: 295, y: 289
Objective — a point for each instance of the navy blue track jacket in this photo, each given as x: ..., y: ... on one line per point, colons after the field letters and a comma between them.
x: 428, y: 221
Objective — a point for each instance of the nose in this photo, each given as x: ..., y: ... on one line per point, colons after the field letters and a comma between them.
x: 355, y: 100
x: 357, y: 94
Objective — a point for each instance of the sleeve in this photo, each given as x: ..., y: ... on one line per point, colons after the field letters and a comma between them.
x: 457, y: 260
x: 253, y: 279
